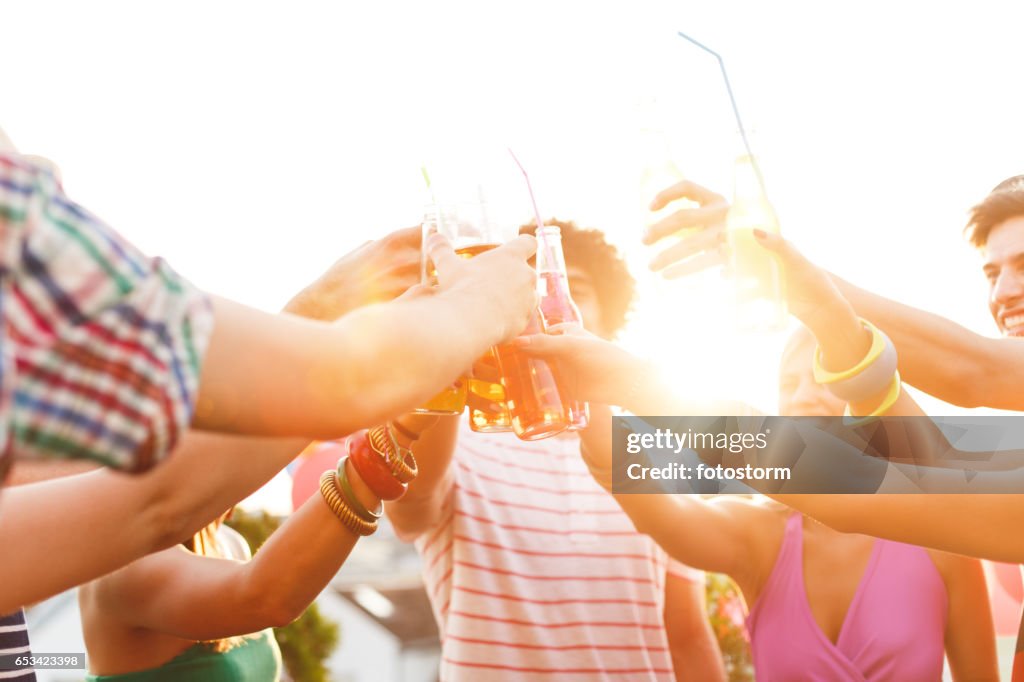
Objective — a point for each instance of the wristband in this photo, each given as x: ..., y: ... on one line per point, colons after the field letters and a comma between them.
x: 887, y: 402
x: 878, y: 343
x: 345, y: 487
x: 348, y: 518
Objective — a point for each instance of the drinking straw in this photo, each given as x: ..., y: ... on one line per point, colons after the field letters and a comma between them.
x: 536, y: 212
x: 735, y: 108
x: 426, y: 179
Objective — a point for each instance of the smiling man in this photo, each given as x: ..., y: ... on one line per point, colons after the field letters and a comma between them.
x: 997, y: 230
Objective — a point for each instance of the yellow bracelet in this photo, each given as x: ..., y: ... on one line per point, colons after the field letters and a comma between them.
x: 334, y: 500
x: 887, y: 402
x: 823, y: 376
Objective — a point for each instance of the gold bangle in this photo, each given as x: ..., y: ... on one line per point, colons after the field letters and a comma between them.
x: 888, y: 401
x: 334, y: 500
x: 399, y: 460
x: 878, y: 343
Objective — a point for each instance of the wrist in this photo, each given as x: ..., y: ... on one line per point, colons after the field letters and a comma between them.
x: 359, y: 487
x: 636, y: 378
x: 305, y: 304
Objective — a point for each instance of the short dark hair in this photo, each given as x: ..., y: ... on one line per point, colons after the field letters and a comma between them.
x: 587, y: 249
x: 1005, y: 201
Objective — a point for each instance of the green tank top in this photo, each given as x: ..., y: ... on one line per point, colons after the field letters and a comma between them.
x: 257, y: 659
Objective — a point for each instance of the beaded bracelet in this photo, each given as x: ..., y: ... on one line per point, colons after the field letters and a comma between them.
x: 348, y: 518
x: 371, y: 467
x: 350, y: 495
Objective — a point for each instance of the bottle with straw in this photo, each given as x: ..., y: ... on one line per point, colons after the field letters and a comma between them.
x: 532, y: 385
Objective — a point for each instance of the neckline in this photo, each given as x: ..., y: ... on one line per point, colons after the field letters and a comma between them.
x: 869, y: 567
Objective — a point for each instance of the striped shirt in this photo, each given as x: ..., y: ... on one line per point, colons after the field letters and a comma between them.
x: 535, y: 573
x: 14, y: 642
x: 101, y: 346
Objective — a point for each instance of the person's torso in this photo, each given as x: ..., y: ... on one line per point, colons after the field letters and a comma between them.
x: 536, y: 573
x: 893, y: 629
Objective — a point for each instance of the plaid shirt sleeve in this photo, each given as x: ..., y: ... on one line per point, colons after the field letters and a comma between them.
x: 101, y: 346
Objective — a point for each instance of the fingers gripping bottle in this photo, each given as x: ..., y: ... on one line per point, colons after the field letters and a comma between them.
x: 558, y: 308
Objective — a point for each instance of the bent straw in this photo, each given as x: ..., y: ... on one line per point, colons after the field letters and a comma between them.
x: 536, y: 212
x: 735, y: 108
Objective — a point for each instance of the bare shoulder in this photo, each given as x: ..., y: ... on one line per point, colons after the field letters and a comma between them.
x: 955, y: 568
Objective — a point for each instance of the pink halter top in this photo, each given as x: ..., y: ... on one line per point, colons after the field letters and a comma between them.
x: 893, y: 631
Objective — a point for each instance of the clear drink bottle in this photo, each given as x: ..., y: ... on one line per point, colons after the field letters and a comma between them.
x: 758, y: 278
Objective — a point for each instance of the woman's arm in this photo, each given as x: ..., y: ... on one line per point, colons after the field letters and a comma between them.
x: 725, y: 535
x: 81, y: 527
x: 970, y: 635
x: 966, y: 369
x: 984, y: 526
x: 185, y: 595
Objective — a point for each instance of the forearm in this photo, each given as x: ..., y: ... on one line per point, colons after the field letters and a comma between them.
x: 283, y: 375
x: 420, y: 508
x: 310, y: 547
x: 59, y: 524
x: 943, y: 358
x: 989, y: 531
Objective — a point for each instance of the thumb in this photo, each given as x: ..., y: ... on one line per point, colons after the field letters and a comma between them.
x: 778, y: 245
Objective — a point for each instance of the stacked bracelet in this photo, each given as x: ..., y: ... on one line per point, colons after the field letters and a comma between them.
x: 400, y: 460
x: 869, y: 377
x: 372, y: 468
x: 409, y: 435
x: 891, y: 396
x: 350, y: 496
x: 337, y: 504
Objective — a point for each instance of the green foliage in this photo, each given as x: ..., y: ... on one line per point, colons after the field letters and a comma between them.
x: 725, y: 612
x: 310, y: 640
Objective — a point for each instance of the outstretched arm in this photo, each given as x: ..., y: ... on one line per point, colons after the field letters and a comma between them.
x: 280, y: 375
x: 182, y: 594
x: 943, y: 358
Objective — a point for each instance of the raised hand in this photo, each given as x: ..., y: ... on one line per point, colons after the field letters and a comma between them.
x: 378, y: 271
x: 701, y: 246
x: 499, y: 282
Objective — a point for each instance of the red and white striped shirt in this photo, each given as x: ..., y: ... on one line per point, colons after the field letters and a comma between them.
x: 535, y: 573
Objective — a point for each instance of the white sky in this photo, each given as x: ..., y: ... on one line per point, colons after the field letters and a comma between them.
x: 252, y: 144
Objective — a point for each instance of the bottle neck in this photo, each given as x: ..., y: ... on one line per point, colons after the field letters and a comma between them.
x: 550, y: 257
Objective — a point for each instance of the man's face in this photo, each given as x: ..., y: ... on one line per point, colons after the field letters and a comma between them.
x: 581, y: 286
x: 1004, y: 269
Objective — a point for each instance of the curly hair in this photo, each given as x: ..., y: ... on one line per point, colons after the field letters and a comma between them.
x: 588, y: 250
x: 1005, y: 201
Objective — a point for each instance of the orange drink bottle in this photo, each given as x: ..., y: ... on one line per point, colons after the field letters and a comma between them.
x: 531, y: 389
